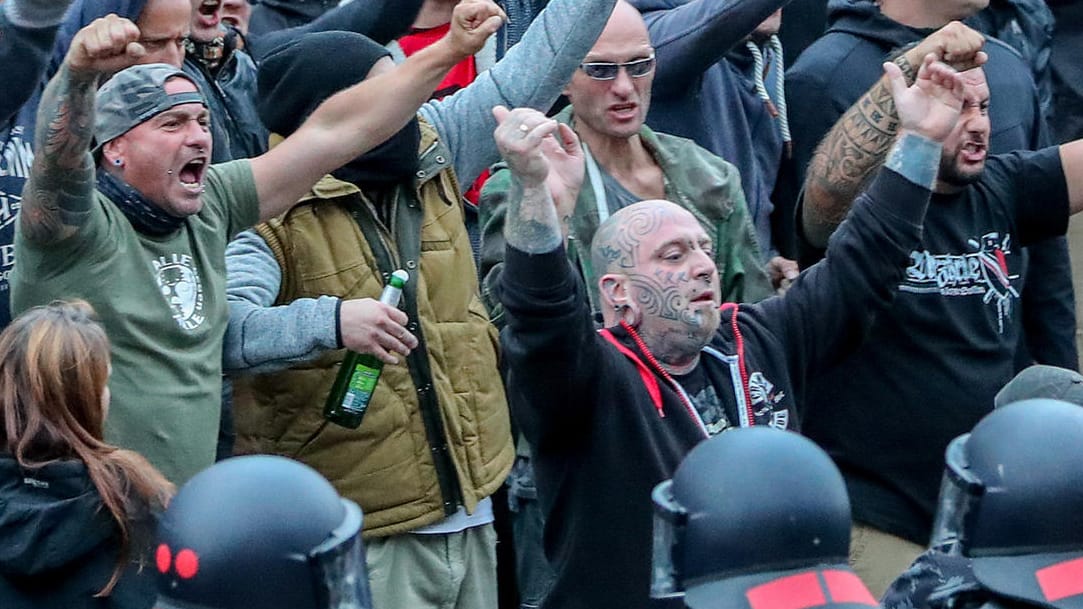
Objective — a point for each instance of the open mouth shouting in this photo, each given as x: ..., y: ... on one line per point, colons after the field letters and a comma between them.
x: 973, y: 152
x: 191, y: 174
x: 207, y: 14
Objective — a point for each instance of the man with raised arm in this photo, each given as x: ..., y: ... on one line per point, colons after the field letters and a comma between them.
x: 139, y: 227
x: 626, y: 161
x: 936, y: 358
x: 611, y: 413
x: 436, y: 442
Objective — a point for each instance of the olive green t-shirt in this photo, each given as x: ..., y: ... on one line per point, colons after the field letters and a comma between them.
x: 162, y: 301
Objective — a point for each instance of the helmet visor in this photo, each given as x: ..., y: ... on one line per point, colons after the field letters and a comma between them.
x: 338, y: 565
x: 960, y: 495
x: 669, y: 523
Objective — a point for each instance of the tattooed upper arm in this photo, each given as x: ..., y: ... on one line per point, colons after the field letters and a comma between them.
x: 845, y: 160
x: 60, y: 190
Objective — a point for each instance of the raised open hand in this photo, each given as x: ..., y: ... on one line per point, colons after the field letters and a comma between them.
x: 540, y: 150
x: 931, y: 106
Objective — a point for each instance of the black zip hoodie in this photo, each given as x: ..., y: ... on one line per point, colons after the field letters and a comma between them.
x: 607, y: 424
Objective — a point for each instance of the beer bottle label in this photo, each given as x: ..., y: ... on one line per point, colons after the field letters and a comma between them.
x: 359, y: 392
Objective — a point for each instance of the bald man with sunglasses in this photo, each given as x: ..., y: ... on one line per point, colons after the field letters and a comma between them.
x: 627, y: 162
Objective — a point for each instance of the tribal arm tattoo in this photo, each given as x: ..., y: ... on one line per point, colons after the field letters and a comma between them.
x: 59, y: 191
x: 532, y: 224
x: 846, y: 159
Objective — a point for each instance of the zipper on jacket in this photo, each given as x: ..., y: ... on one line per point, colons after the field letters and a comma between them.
x: 665, y: 375
x: 417, y: 362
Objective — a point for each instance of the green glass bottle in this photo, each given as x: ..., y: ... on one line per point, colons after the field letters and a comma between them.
x: 356, y: 380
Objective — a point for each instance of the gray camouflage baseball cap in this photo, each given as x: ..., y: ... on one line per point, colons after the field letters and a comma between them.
x: 133, y: 96
x: 1039, y: 381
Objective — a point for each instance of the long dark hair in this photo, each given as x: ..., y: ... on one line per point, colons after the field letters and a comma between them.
x: 54, y: 366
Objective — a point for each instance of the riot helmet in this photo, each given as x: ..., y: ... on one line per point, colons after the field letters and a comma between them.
x: 751, y: 516
x: 261, y: 532
x: 1011, y: 500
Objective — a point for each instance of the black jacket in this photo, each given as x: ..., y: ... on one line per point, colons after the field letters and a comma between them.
x: 58, y: 544
x: 606, y: 425
x: 230, y: 90
x: 236, y: 129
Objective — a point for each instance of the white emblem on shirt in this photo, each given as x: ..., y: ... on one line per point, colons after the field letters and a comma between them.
x: 982, y: 272
x: 182, y: 289
x: 765, y: 399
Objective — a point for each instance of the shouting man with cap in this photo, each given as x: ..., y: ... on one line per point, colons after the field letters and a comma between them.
x: 612, y: 413
x: 147, y: 247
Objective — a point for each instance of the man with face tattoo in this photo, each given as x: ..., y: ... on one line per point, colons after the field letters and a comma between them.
x: 611, y: 413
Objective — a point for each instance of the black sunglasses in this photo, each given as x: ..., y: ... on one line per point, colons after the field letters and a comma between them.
x: 607, y: 70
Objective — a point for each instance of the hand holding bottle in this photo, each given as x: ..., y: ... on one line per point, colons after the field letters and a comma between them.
x: 370, y: 326
x: 357, y: 376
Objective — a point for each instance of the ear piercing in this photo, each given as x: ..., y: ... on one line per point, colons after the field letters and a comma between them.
x: 118, y: 162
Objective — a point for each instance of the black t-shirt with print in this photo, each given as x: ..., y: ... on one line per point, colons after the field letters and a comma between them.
x: 930, y: 366
x: 712, y: 410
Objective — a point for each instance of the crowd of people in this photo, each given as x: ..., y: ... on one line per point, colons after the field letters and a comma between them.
x: 682, y: 326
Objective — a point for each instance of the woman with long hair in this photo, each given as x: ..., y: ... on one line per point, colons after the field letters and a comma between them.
x: 76, y: 513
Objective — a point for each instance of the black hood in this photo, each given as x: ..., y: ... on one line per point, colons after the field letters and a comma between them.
x: 49, y: 517
x: 863, y: 18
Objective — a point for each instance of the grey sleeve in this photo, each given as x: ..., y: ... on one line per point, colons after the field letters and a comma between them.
x: 532, y: 74
x: 263, y: 338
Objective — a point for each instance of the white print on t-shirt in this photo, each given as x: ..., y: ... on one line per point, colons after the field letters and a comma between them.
x: 765, y: 399
x: 182, y: 289
x: 982, y: 272
x: 16, y: 158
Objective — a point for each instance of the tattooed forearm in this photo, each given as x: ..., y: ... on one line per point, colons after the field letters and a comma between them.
x: 532, y: 225
x: 60, y: 189
x: 853, y: 149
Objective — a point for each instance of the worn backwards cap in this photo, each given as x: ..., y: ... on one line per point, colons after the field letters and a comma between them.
x: 1042, y: 382
x: 134, y: 95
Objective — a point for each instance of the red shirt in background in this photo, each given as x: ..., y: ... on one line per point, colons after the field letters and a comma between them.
x: 461, y: 75
x: 458, y: 77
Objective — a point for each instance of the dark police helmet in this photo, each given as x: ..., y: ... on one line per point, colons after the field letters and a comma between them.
x: 755, y: 518
x: 1012, y: 501
x: 261, y: 532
